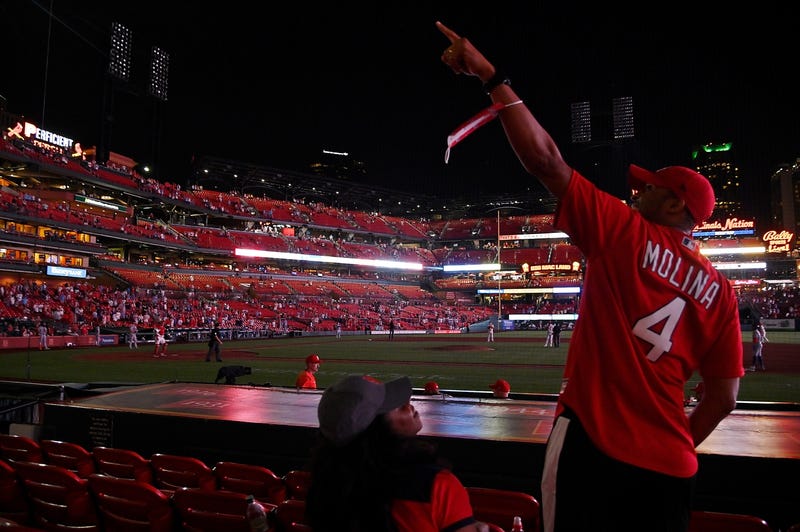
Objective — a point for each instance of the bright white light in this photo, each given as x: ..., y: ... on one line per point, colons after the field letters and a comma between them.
x: 537, y: 236
x: 740, y: 265
x: 556, y: 290
x: 471, y: 267
x: 553, y: 317
x: 750, y: 250
x: 242, y: 252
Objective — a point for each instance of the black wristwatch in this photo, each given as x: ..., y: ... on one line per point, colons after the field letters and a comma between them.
x: 498, y: 79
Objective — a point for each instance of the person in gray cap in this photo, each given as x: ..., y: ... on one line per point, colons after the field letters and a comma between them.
x: 370, y: 471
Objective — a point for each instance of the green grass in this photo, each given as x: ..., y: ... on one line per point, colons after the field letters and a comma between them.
x: 456, y: 362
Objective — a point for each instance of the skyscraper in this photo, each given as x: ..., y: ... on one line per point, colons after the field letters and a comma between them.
x: 716, y: 162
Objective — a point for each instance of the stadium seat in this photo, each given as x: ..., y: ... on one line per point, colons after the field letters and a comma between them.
x: 173, y: 471
x: 122, y: 463
x: 250, y: 479
x: 126, y: 505
x: 10, y: 525
x: 201, y: 510
x: 60, y: 500
x: 13, y: 502
x: 499, y: 506
x: 297, y: 483
x: 20, y: 448
x: 69, y: 455
x: 726, y: 522
x: 290, y: 516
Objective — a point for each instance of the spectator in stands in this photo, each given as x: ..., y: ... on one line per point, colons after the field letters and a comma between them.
x: 214, y: 343
x: 646, y: 327
x: 369, y: 471
x: 306, y: 379
x: 500, y: 389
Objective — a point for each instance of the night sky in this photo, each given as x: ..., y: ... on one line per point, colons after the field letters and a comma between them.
x: 276, y: 83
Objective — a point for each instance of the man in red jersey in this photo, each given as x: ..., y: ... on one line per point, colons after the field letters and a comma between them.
x: 306, y: 379
x: 621, y: 455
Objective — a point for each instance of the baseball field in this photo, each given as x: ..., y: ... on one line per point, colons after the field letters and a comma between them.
x: 456, y: 362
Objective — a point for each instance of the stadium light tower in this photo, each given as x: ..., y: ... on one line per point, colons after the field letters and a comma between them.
x: 622, y: 117
x: 159, y: 74
x: 119, y: 64
x: 158, y: 87
x: 119, y: 70
x: 581, y: 122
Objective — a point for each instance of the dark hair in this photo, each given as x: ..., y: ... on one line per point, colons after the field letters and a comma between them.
x: 351, y: 485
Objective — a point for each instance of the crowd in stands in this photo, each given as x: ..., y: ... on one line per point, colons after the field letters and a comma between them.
x: 233, y: 295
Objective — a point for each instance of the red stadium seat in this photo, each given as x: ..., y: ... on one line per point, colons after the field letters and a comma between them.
x: 127, y: 505
x: 173, y: 471
x: 69, y: 455
x: 60, y: 500
x: 13, y: 502
x: 10, y: 525
x: 290, y: 516
x: 202, y: 510
x: 122, y: 463
x: 726, y: 522
x: 500, y: 506
x: 297, y: 483
x: 250, y: 479
x: 20, y: 448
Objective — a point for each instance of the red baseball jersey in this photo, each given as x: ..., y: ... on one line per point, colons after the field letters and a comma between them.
x: 653, y: 311
x: 306, y: 379
x: 434, y: 504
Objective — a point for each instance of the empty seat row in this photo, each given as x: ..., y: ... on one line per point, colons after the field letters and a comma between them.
x: 127, y: 488
x: 49, y: 497
x: 167, y: 472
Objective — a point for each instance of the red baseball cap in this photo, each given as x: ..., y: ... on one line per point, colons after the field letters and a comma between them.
x: 313, y: 359
x: 501, y: 386
x: 693, y: 188
x: 431, y: 388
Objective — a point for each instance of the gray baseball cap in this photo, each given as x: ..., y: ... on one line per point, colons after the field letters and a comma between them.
x: 348, y: 407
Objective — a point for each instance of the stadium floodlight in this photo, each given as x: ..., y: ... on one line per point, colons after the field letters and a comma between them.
x: 282, y: 255
x: 159, y: 74
x: 740, y: 265
x: 623, y: 117
x: 119, y: 64
x: 553, y: 290
x: 581, y: 122
x: 471, y: 267
x: 745, y: 250
x: 549, y: 317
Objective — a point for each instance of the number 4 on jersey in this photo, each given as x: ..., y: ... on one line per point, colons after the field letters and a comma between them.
x: 661, y: 341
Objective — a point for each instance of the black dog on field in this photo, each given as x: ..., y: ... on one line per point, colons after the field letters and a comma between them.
x: 229, y: 373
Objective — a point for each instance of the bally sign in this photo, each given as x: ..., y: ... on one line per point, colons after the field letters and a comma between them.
x: 778, y: 242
